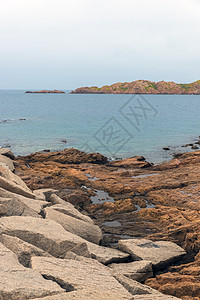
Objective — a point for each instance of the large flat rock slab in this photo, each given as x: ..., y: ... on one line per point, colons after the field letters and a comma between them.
x: 106, y: 255
x: 87, y: 294
x: 20, y: 283
x: 160, y: 253
x: 88, y: 231
x: 137, y: 270
x: 42, y: 233
x: 86, y: 274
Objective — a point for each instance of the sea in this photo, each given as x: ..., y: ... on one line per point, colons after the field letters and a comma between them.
x: 116, y: 125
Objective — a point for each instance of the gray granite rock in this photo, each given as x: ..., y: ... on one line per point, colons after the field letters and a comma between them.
x: 44, y: 194
x: 34, y: 204
x: 160, y: 253
x: 6, y: 161
x: 70, y: 210
x: 13, y: 187
x: 42, y: 233
x: 23, y: 250
x: 137, y: 270
x: 88, y: 231
x: 14, y: 207
x: 20, y: 283
x: 134, y: 287
x: 154, y: 297
x: 7, y: 152
x: 87, y: 274
x: 87, y: 294
x: 6, y: 173
x: 107, y: 255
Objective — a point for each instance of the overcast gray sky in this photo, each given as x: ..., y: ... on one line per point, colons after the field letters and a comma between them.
x: 65, y: 44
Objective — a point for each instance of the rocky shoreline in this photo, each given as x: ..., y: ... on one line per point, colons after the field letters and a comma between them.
x: 52, y: 250
x: 130, y: 199
x: 143, y: 87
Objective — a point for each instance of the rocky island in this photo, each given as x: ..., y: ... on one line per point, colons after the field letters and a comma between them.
x: 143, y: 87
x: 45, y: 92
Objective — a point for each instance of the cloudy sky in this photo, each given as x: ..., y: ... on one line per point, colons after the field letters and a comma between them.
x: 65, y: 44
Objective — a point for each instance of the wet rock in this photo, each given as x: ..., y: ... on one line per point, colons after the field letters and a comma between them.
x: 20, y: 283
x: 166, y: 148
x: 42, y: 233
x: 137, y: 270
x: 160, y: 253
x: 88, y: 231
x: 80, y: 275
x: 132, y: 162
x: 7, y: 152
x: 23, y: 250
x: 195, y: 147
x: 70, y: 156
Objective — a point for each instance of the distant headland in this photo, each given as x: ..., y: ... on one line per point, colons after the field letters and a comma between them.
x: 143, y: 87
x: 45, y: 92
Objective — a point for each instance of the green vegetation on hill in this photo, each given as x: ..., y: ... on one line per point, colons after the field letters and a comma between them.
x: 143, y: 87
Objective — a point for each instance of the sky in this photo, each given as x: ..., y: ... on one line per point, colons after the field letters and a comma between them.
x: 65, y: 44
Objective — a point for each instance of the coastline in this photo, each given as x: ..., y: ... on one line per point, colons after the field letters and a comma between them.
x: 130, y: 198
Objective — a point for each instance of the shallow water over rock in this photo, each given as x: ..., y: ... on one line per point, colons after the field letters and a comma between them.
x: 145, y: 175
x: 112, y: 223
x: 101, y: 197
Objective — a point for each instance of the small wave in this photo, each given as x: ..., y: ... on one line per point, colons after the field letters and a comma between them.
x: 11, y: 120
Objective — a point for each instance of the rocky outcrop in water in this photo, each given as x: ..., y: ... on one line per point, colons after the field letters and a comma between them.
x: 51, y: 250
x: 45, y: 92
x: 143, y: 87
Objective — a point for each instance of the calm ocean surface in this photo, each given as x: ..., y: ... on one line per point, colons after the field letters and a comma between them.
x: 114, y: 125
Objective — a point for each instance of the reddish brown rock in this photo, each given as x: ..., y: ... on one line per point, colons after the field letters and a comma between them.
x: 142, y: 87
x: 46, y: 92
x: 158, y: 202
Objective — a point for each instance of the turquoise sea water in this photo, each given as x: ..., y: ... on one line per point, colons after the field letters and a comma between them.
x: 114, y: 125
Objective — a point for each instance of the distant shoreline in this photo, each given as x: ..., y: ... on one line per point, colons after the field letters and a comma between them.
x: 143, y: 87
x: 45, y: 92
